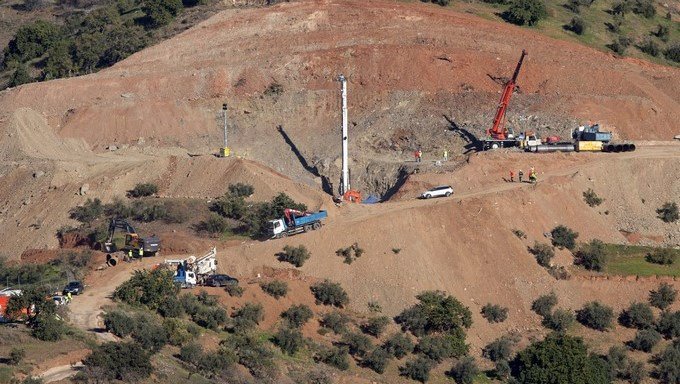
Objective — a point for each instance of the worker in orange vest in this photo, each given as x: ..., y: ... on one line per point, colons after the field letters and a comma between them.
x: 512, y: 176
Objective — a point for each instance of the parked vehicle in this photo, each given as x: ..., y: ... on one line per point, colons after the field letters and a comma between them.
x: 59, y: 300
x: 295, y: 222
x: 220, y: 280
x: 74, y: 287
x: 442, y: 190
x: 194, y: 271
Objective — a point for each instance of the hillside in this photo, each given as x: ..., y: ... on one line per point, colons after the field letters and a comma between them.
x: 420, y: 76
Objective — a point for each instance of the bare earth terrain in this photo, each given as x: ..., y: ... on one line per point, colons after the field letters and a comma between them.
x: 409, y: 66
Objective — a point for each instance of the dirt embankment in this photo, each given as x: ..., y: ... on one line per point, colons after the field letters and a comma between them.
x: 409, y: 65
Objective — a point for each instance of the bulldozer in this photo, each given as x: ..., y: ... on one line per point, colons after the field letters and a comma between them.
x: 122, y: 237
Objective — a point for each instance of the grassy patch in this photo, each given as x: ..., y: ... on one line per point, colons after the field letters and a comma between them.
x: 630, y: 260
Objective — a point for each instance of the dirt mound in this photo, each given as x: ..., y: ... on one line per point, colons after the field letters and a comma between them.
x: 408, y: 65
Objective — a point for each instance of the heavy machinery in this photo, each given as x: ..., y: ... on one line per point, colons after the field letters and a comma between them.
x: 498, y: 136
x: 587, y: 138
x: 194, y: 271
x: 295, y: 222
x: 130, y: 240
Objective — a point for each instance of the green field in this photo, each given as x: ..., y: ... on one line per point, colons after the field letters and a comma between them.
x: 630, y: 260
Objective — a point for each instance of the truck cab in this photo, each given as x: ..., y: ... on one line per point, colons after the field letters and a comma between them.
x: 277, y: 227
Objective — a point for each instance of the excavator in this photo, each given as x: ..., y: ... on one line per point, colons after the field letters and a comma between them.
x: 130, y: 241
x: 498, y: 136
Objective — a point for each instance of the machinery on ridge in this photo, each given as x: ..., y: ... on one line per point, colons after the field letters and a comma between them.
x: 498, y: 136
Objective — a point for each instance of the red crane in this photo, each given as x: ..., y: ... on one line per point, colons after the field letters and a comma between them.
x: 498, y: 131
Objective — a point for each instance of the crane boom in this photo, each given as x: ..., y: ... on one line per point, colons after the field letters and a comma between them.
x: 498, y: 131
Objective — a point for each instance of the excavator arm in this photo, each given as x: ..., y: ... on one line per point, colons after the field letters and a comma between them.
x: 498, y: 131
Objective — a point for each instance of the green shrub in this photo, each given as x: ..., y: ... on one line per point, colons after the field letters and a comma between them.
x: 559, y: 358
x: 645, y: 340
x: 160, y: 12
x: 563, y: 237
x: 147, y: 211
x: 120, y: 361
x: 499, y: 349
x: 32, y: 380
x: 494, y: 313
x: 668, y: 364
x: 578, y: 26
x: 663, y: 256
x: 16, y: 355
x: 171, y: 307
x: 350, y: 253
x: 211, y: 317
x: 543, y: 305
x: 590, y: 197
x: 650, y: 47
x: 596, y: 316
x: 241, y: 189
x: 543, y: 252
x: 32, y: 41
x: 638, y: 315
x: 88, y: 212
x: 662, y: 32
x: 669, y: 211
x: 357, y: 343
x: 151, y: 335
x: 559, y: 321
x: 621, y: 7
x: 398, y: 345
x: 377, y: 360
x: 234, y: 290
x: 47, y: 327
x: 334, y: 356
x: 443, y: 346
x: 297, y: 315
x: 20, y: 76
x: 275, y: 288
x: 417, y: 369
x: 634, y: 372
x: 663, y: 296
x: 177, y: 331
x: 335, y: 321
x: 617, y: 359
x: 213, y: 225
x: 645, y: 8
x: 231, y: 206
x: 289, y: 340
x: 143, y: 190
x: 592, y: 255
x: 501, y: 370
x: 519, y: 233
x: 147, y: 288
x: 294, y: 255
x: 253, y: 353
x: 119, y: 323
x: 435, y: 312
x: 527, y: 12
x: 248, y: 316
x: 465, y: 370
x: 669, y: 324
x: 620, y: 45
x: 330, y: 293
x: 375, y: 325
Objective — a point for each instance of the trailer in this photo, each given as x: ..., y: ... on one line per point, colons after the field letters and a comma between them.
x: 295, y: 222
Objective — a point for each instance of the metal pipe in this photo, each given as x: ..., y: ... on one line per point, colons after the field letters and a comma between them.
x: 344, y: 183
x: 552, y: 148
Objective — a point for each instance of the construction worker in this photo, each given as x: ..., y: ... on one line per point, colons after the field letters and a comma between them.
x: 512, y: 176
x: 68, y: 297
x: 446, y: 155
x: 532, y: 176
x: 419, y: 155
x: 129, y: 255
x: 520, y: 174
x: 141, y: 253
